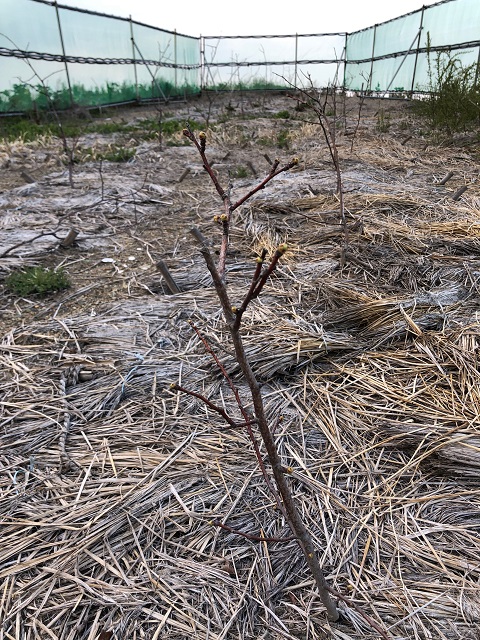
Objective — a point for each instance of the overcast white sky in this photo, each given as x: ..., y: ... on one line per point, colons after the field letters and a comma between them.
x: 255, y: 17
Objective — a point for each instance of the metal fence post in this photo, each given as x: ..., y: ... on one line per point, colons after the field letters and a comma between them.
x: 70, y: 93
x: 132, y: 39
x: 175, y: 56
x: 296, y: 60
x: 477, y: 70
x: 202, y: 63
x: 373, y: 55
x: 418, y: 51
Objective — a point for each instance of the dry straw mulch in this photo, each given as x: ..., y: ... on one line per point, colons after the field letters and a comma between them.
x: 111, y: 483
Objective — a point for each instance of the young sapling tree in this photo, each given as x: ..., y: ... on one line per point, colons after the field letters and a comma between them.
x: 279, y: 487
x: 233, y: 316
x: 329, y: 124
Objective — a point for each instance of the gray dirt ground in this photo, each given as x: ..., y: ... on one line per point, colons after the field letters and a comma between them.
x: 139, y: 212
x: 109, y: 480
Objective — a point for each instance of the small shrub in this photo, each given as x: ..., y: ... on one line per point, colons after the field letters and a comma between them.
x: 240, y: 172
x: 156, y: 128
x: 112, y: 153
x: 283, y: 140
x: 119, y: 154
x: 20, y: 128
x: 300, y: 107
x: 383, y: 121
x: 283, y: 115
x: 29, y: 130
x: 37, y: 280
x: 453, y: 102
x: 169, y: 127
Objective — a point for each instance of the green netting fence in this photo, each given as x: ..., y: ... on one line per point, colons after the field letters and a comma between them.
x: 394, y: 55
x: 68, y: 56
x: 273, y: 61
x: 387, y: 58
x: 56, y: 54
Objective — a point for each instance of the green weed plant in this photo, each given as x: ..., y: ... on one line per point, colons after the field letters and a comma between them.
x: 383, y: 121
x: 38, y: 281
x: 240, y: 172
x: 25, y: 98
x: 453, y: 101
x: 282, y: 115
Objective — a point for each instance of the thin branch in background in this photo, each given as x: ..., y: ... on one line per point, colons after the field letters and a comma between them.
x: 359, y: 115
x: 69, y: 145
x: 68, y: 148
x: 23, y: 242
x: 212, y: 93
x: 102, y: 182
x: 313, y: 101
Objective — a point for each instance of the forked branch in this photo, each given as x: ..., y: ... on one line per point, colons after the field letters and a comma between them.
x: 233, y: 317
x: 228, y: 206
x: 289, y: 508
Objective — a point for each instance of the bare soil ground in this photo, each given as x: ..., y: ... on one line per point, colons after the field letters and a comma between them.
x: 110, y: 481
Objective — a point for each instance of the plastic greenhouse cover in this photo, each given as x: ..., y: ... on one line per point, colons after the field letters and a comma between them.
x: 39, y: 32
x: 247, y: 62
x: 452, y: 23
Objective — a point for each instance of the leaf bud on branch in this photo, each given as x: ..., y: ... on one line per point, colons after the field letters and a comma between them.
x: 274, y: 166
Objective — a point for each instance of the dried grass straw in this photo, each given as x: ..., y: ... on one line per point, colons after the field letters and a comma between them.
x: 110, y: 481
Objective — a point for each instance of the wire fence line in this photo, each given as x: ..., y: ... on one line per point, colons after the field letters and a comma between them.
x: 36, y: 55
x: 77, y: 56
